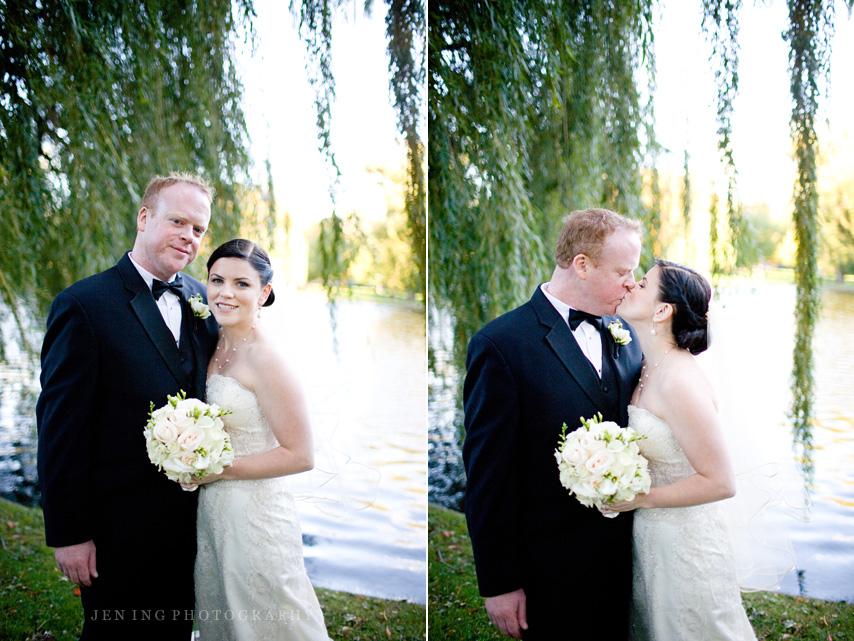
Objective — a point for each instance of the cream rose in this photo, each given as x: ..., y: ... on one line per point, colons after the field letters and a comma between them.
x: 181, y: 421
x: 165, y: 432
x: 190, y: 439
x: 599, y: 462
x: 574, y: 454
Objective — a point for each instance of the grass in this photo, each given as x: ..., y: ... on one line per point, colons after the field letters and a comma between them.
x: 38, y: 603
x: 455, y: 609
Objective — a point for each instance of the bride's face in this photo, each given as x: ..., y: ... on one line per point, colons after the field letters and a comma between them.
x: 235, y: 293
x: 640, y: 305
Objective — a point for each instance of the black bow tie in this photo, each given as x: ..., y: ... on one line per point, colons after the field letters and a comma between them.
x: 577, y: 317
x: 158, y: 287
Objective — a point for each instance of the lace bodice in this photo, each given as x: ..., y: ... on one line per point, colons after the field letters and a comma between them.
x: 667, y: 461
x: 246, y: 425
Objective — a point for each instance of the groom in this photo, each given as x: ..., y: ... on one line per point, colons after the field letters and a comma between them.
x: 115, y: 343
x: 549, y: 567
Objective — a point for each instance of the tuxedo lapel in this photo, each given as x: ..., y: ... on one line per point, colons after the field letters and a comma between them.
x: 143, y: 305
x: 566, y: 348
x: 195, y: 330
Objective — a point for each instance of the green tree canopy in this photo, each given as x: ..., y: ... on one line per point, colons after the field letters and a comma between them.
x: 405, y: 28
x: 534, y: 110
x: 95, y: 99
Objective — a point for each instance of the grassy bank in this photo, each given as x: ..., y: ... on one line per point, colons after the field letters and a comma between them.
x: 38, y: 603
x: 455, y: 609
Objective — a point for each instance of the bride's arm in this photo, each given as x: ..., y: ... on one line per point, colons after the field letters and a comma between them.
x: 686, y: 403
x: 283, y: 404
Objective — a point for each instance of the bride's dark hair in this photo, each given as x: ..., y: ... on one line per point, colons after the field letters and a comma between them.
x: 689, y: 293
x: 253, y: 254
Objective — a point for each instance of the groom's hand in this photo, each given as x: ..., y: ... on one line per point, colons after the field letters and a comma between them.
x: 508, y: 613
x: 77, y: 562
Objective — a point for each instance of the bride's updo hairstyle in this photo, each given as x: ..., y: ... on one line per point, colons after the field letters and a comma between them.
x: 689, y: 293
x: 253, y: 254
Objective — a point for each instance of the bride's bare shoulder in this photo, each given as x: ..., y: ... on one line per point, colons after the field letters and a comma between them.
x: 266, y: 361
x: 686, y: 380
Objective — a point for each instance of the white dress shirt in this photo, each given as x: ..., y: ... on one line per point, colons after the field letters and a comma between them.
x: 169, y: 303
x: 586, y: 335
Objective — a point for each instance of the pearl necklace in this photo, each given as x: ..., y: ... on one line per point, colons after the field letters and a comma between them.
x: 216, y: 358
x: 645, y: 374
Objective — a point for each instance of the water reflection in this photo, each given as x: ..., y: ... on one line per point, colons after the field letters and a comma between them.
x: 18, y: 393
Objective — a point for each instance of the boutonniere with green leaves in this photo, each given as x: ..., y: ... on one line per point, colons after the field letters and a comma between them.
x: 620, y: 335
x: 200, y: 310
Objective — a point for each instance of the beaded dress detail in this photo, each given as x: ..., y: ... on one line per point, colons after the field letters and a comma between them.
x: 685, y: 586
x: 250, y: 574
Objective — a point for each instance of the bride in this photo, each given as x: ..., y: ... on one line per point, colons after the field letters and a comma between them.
x: 250, y: 574
x: 685, y: 585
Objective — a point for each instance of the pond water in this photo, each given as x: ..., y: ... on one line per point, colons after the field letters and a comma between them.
x: 751, y: 359
x: 363, y: 510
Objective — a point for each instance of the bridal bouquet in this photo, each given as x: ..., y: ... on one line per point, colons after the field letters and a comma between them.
x: 600, y: 463
x: 186, y: 438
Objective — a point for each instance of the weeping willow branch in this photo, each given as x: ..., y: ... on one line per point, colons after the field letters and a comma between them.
x: 720, y: 22
x: 685, y: 196
x: 405, y: 27
x: 405, y: 30
x: 527, y: 121
x: 95, y: 99
x: 809, y: 33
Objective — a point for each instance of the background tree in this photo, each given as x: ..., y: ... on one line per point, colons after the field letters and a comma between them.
x: 405, y: 28
x: 533, y: 111
x: 95, y: 99
x: 837, y: 232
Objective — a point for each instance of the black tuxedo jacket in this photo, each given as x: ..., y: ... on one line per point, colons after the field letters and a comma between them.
x: 107, y: 355
x: 526, y: 376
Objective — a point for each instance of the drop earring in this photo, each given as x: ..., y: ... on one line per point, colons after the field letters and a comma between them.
x: 653, y: 329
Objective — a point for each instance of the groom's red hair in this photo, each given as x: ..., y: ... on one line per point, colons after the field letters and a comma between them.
x: 585, y: 231
x: 159, y: 183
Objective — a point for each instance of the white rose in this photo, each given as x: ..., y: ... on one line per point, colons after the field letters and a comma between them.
x: 599, y: 462
x: 199, y: 308
x: 162, y: 413
x: 585, y: 489
x: 190, y: 439
x: 621, y: 336
x: 181, y: 421
x: 165, y: 432
x: 574, y: 454
x: 180, y: 464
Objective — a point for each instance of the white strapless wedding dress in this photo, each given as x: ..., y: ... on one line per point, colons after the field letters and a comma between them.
x: 250, y: 575
x: 685, y: 586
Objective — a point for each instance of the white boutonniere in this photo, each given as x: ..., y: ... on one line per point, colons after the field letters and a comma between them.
x: 621, y: 336
x: 200, y: 310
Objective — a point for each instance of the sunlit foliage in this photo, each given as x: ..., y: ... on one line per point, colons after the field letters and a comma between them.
x: 533, y: 112
x: 405, y: 29
x: 95, y: 99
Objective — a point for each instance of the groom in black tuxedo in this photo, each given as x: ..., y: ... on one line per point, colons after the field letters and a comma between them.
x: 116, y: 342
x: 549, y: 567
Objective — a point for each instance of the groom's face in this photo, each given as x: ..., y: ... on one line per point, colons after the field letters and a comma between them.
x: 169, y: 234
x: 612, y: 279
